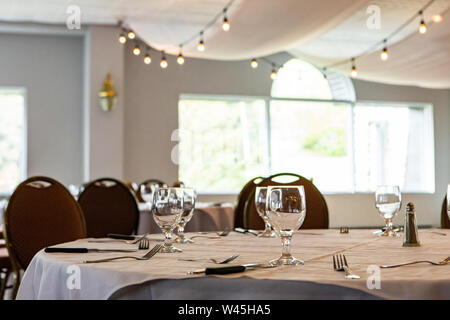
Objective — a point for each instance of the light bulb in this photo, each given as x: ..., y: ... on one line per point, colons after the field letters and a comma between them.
x: 163, y: 63
x: 225, y: 24
x: 147, y: 59
x: 423, y: 27
x: 136, y: 50
x: 180, y: 59
x: 384, y: 54
x: 122, y: 38
x: 201, y: 46
x: 131, y: 34
x: 273, y: 75
x: 354, y: 73
x: 254, y: 64
x: 436, y: 18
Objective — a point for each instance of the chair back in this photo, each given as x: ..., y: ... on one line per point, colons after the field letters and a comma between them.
x: 316, y: 206
x: 243, y: 200
x: 150, y: 183
x: 445, y: 221
x: 109, y: 206
x: 40, y: 213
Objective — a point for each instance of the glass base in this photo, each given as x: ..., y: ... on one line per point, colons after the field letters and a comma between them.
x: 388, y: 233
x: 169, y: 249
x: 286, y: 261
x: 268, y: 234
x: 183, y: 240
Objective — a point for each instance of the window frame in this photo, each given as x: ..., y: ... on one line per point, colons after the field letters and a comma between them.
x: 23, y: 163
x: 428, y: 109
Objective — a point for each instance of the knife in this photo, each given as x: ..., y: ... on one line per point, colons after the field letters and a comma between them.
x: 230, y: 269
x: 120, y: 236
x: 242, y: 230
x: 84, y: 250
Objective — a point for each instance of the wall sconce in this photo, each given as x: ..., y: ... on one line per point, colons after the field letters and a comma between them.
x: 107, y: 96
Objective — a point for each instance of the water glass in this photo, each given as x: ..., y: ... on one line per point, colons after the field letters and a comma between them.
x: 286, y: 210
x: 168, y: 206
x: 260, y: 204
x: 189, y: 196
x: 388, y: 201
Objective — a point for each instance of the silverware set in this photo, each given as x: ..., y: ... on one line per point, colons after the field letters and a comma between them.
x: 146, y: 256
x: 340, y: 264
x: 216, y: 261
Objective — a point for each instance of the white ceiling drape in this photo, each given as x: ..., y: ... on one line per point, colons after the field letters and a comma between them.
x: 321, y: 31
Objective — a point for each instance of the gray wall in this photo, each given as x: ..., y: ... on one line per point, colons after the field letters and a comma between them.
x: 50, y: 69
x: 151, y: 115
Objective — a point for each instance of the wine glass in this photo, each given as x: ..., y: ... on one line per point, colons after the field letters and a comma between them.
x: 286, y: 210
x: 260, y: 204
x: 147, y: 191
x: 167, y: 211
x: 388, y: 201
x: 189, y: 196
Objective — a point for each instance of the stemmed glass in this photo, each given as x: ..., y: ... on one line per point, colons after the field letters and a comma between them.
x: 147, y: 192
x: 260, y: 204
x: 189, y: 196
x: 286, y: 209
x: 167, y: 211
x: 388, y: 201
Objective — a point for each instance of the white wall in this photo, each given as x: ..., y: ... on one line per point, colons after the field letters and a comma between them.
x: 48, y: 67
x: 152, y: 114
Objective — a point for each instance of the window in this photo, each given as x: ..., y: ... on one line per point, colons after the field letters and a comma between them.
x: 12, y: 139
x: 311, y: 126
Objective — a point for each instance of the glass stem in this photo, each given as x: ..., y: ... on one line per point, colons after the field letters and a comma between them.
x: 286, y: 240
x: 181, y: 232
x: 168, y: 238
x: 268, y: 228
x: 389, y: 228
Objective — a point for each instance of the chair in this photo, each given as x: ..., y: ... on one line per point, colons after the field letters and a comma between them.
x: 40, y: 213
x: 445, y: 221
x: 316, y: 206
x: 109, y: 206
x: 242, y: 201
x: 151, y: 183
x: 178, y: 184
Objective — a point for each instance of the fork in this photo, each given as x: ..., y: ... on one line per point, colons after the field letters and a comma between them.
x: 224, y: 233
x: 216, y: 261
x: 440, y: 263
x: 340, y: 264
x: 144, y: 244
x: 139, y: 239
x: 146, y: 256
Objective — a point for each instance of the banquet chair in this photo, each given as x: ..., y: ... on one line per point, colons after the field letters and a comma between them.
x: 316, y: 206
x: 109, y: 206
x: 445, y: 221
x: 152, y: 183
x: 243, y: 200
x: 41, y: 212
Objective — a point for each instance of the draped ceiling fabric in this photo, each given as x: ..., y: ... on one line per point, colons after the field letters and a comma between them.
x: 321, y: 32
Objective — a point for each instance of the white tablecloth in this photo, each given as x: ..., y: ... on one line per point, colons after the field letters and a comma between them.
x: 165, y: 277
x: 206, y: 217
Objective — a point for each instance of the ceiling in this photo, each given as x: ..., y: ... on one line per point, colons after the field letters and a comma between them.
x: 321, y: 32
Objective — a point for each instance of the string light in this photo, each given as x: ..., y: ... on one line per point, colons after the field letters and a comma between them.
x: 122, y: 38
x: 201, y: 43
x: 423, y: 27
x: 254, y: 64
x: 353, y: 73
x: 137, y: 50
x: 147, y: 59
x: 131, y: 34
x: 180, y: 59
x: 436, y: 18
x: 324, y: 73
x: 384, y: 54
x: 225, y: 23
x: 273, y: 74
x: 163, y: 62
